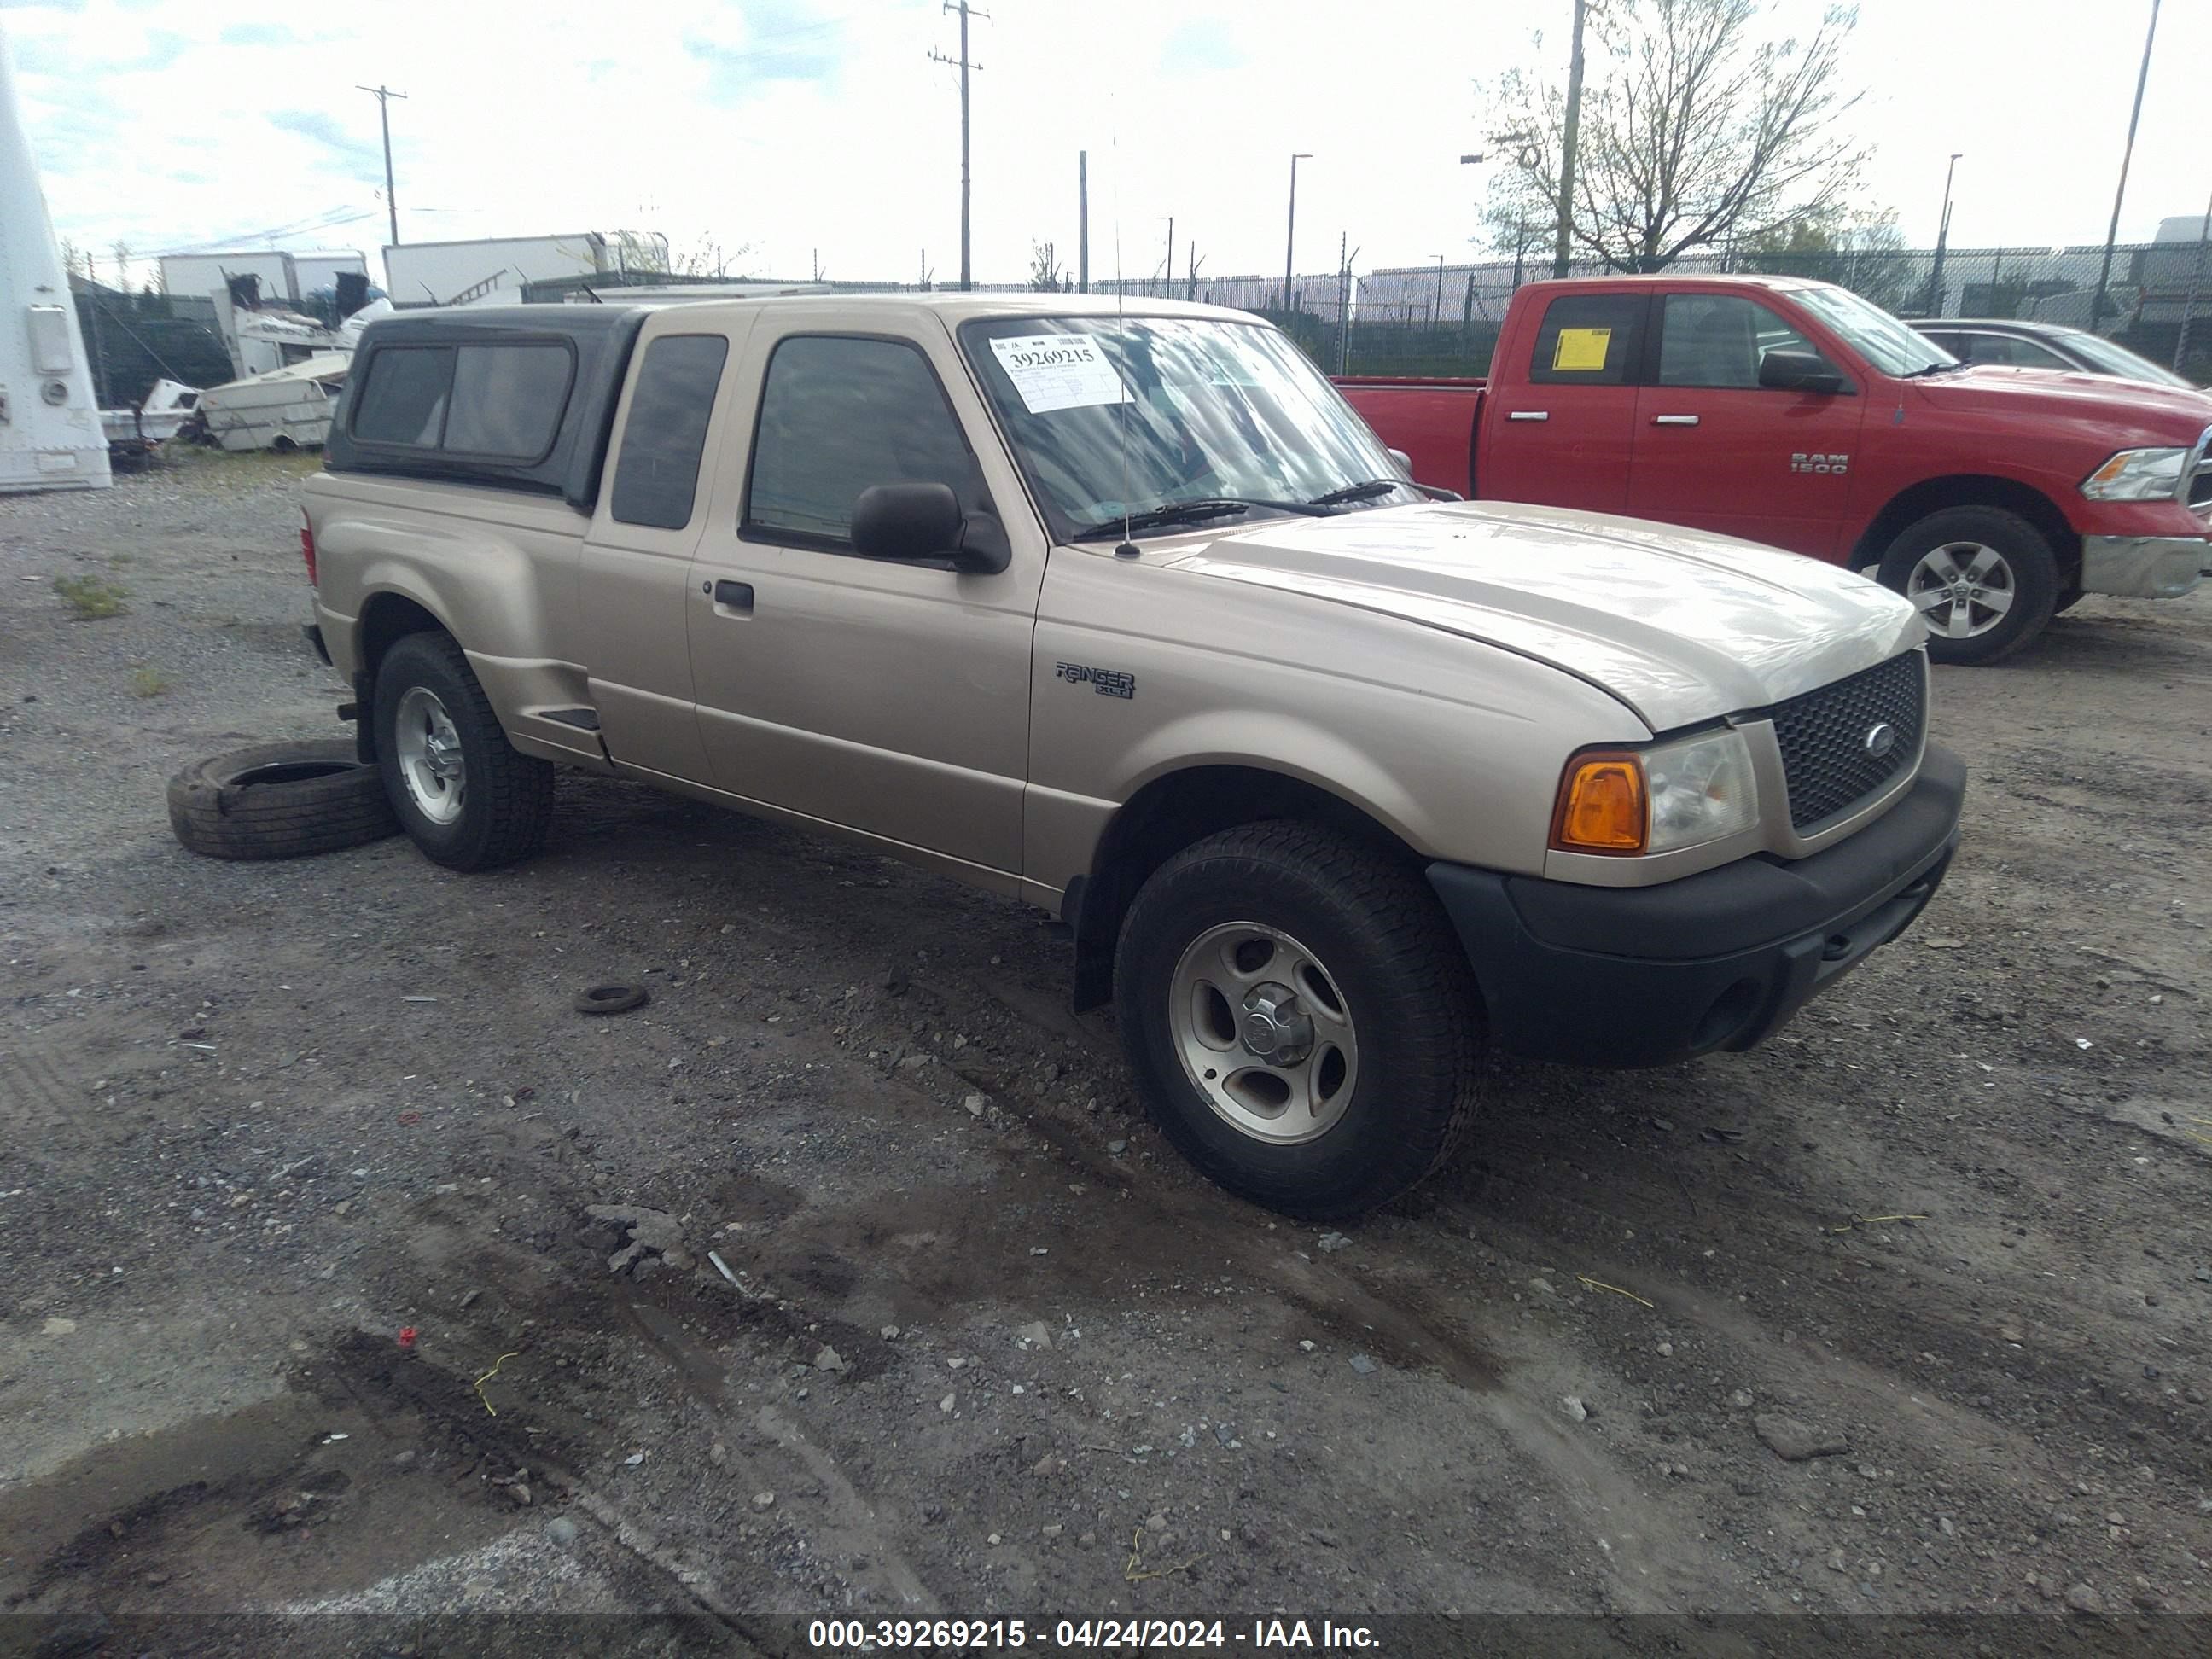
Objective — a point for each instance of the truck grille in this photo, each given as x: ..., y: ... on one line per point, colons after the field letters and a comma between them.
x: 1823, y: 734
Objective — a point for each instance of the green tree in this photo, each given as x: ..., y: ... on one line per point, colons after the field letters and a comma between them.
x: 1863, y: 253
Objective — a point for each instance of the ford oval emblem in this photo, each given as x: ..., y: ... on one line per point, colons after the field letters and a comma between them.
x: 1880, y: 739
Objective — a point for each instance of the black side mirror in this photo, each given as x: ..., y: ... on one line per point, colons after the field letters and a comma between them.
x: 917, y: 523
x: 1797, y: 371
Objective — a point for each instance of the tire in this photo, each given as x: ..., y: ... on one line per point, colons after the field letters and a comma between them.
x: 462, y: 792
x: 2012, y: 561
x: 2067, y: 601
x: 1405, y: 1008
x: 279, y: 800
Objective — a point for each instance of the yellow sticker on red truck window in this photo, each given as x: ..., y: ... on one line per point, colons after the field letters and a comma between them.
x: 1582, y: 350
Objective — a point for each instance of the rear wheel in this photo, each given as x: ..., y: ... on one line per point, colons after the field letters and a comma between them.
x: 1983, y: 580
x: 468, y: 798
x: 1302, y: 1023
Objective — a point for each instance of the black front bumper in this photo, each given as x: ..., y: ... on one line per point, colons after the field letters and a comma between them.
x: 1647, y: 975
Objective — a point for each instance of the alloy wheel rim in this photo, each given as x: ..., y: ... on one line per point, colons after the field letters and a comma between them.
x: 1264, y: 1033
x: 430, y: 754
x: 1962, y: 589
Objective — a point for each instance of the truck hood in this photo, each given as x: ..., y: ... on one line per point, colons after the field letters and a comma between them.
x: 1679, y: 625
x: 2119, y: 413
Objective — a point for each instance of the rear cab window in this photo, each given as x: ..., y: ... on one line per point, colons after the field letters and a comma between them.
x: 656, y: 474
x: 1590, y: 339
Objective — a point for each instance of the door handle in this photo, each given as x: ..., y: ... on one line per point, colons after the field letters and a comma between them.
x: 1674, y: 420
x: 1528, y: 414
x: 738, y: 596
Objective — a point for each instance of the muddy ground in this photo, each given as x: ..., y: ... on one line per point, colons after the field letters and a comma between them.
x: 991, y: 1348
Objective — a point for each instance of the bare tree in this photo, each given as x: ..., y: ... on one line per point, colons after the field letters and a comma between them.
x: 1700, y: 126
x: 1046, y: 275
x: 122, y: 252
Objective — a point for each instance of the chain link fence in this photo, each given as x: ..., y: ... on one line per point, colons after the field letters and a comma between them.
x: 2158, y: 300
x: 1442, y: 319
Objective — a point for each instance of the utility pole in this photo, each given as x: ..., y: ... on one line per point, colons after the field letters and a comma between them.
x: 2127, y: 155
x: 1569, y: 132
x: 1290, y: 237
x: 1167, y: 281
x: 966, y: 11
x: 1935, y: 301
x: 384, y: 96
x: 1083, y: 218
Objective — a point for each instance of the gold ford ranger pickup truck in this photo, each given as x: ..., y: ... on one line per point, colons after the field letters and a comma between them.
x: 1126, y: 614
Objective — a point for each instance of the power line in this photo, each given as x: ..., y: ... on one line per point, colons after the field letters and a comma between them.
x: 966, y: 11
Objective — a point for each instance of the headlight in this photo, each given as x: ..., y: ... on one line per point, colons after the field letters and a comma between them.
x: 2137, y: 475
x: 1659, y: 799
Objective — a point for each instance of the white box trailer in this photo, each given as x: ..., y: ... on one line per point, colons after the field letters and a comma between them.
x: 50, y: 433
x: 321, y: 269
x: 203, y: 273
x: 490, y: 271
x: 286, y: 409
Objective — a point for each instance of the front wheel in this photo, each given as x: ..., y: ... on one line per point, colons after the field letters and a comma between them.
x: 468, y: 798
x: 1300, y: 1019
x: 1983, y: 580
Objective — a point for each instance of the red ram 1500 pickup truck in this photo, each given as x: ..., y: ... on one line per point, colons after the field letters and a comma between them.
x: 1799, y: 415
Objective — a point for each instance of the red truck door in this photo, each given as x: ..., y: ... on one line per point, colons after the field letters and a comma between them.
x: 1560, y: 429
x: 1717, y: 450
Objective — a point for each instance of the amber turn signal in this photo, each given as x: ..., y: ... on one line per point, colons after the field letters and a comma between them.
x: 1602, y: 807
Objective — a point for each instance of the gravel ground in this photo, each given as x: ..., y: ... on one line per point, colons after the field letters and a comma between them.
x: 1904, y: 1314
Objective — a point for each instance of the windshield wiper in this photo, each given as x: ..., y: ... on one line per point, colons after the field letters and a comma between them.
x: 1926, y: 369
x: 1358, y: 492
x: 1213, y: 506
x: 1375, y: 487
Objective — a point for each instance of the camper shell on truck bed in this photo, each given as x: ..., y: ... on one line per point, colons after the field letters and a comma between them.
x: 514, y: 397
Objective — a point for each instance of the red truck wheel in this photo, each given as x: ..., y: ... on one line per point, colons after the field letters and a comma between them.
x: 1983, y: 580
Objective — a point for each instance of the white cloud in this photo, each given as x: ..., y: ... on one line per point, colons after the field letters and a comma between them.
x: 798, y: 125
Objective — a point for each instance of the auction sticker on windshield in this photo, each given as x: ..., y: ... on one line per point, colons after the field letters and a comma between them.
x: 1059, y: 371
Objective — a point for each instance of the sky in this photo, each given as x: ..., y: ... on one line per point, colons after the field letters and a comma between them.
x: 806, y: 130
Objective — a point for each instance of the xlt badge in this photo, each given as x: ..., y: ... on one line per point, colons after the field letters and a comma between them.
x: 1107, y: 682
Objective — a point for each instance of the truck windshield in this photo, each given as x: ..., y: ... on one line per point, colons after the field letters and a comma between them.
x: 1112, y: 416
x: 1879, y: 337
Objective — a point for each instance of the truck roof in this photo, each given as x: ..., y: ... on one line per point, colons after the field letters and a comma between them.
x: 1740, y: 278
x: 954, y: 306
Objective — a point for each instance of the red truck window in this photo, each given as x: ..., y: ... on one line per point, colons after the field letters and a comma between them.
x: 1718, y: 339
x: 1589, y: 339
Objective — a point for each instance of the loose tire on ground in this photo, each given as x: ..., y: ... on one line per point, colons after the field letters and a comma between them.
x: 279, y: 800
x: 1367, y: 935
x: 465, y: 794
x: 2021, y: 572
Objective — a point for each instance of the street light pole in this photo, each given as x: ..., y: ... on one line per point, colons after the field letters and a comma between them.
x: 2127, y: 155
x: 1290, y: 236
x: 1935, y: 301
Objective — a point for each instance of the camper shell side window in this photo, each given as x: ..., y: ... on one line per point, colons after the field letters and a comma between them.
x: 508, y: 397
